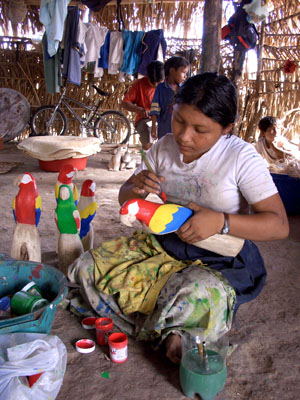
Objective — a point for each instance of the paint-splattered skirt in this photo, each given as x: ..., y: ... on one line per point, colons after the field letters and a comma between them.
x: 196, y: 299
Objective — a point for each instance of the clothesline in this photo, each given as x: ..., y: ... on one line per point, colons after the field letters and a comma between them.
x: 123, y: 53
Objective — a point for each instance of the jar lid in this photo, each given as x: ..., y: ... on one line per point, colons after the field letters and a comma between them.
x: 85, y: 345
x: 88, y: 323
x: 4, y: 303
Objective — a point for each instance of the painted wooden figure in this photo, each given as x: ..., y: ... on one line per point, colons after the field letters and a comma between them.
x: 27, y: 206
x: 161, y: 219
x: 87, y: 208
x: 65, y: 177
x: 115, y: 161
x: 67, y: 219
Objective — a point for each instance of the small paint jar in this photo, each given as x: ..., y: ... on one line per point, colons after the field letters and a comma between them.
x: 104, y: 327
x: 32, y: 288
x: 118, y: 347
x: 25, y: 303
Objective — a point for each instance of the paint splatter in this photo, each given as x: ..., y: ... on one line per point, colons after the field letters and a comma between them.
x: 105, y: 375
x: 36, y: 271
x: 163, y: 196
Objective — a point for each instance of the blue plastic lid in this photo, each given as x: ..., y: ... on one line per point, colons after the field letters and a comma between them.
x: 4, y: 303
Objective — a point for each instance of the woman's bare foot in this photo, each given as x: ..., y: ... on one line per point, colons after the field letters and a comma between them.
x: 173, y: 347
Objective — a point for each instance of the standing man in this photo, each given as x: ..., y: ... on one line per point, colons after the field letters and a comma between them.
x: 139, y: 97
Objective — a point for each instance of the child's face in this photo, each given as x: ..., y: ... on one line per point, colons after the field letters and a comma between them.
x: 270, y: 134
x: 179, y: 75
x: 194, y: 132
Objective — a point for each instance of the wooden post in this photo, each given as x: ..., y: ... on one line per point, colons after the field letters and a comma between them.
x: 211, y: 39
x: 258, y: 110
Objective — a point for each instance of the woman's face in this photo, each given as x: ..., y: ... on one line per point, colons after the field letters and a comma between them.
x: 270, y: 134
x: 194, y: 132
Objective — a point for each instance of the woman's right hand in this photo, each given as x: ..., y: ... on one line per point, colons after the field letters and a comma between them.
x: 147, y: 182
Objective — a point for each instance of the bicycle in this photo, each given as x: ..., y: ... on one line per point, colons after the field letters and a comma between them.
x: 110, y: 126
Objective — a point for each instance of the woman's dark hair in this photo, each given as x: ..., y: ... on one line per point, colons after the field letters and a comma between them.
x: 214, y: 95
x: 175, y: 62
x: 155, y: 71
x: 266, y: 122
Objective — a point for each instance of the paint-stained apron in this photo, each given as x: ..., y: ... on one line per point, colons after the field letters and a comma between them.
x: 193, y: 298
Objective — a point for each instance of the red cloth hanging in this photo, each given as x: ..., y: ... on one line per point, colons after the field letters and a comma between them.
x: 289, y: 67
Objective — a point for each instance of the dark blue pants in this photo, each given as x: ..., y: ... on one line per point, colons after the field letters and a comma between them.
x: 246, y: 272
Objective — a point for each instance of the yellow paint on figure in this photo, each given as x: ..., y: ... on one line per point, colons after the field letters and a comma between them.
x: 163, y: 216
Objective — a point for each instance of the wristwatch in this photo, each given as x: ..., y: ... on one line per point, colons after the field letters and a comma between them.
x: 226, y: 226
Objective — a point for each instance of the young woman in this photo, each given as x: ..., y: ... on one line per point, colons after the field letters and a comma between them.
x: 227, y: 184
x: 273, y: 147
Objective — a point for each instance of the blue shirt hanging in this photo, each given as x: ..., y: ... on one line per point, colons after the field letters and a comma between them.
x: 131, y: 59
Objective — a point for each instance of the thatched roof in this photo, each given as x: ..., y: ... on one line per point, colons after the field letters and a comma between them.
x: 274, y: 92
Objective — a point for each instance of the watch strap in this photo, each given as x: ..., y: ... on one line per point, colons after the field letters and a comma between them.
x: 226, y: 226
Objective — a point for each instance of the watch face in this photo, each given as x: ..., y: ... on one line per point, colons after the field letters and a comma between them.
x: 225, y: 229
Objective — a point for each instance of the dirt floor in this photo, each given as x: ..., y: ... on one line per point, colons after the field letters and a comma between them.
x: 265, y: 364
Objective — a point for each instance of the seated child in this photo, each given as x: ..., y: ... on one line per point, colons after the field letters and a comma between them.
x: 271, y: 146
x: 139, y: 97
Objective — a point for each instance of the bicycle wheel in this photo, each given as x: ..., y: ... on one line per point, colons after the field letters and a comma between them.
x: 112, y: 127
x: 39, y: 122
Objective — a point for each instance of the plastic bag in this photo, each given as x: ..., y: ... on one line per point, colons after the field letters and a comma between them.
x: 25, y: 354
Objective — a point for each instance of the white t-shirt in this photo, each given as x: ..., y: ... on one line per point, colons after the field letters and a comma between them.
x: 229, y: 177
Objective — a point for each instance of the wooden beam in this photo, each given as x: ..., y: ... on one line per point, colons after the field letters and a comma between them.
x: 114, y: 2
x: 38, y: 2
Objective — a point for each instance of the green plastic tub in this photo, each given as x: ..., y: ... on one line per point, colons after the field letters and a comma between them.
x: 14, y: 275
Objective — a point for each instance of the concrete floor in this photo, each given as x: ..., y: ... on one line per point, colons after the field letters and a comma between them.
x: 265, y: 365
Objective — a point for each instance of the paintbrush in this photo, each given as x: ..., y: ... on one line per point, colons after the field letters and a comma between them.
x: 200, y: 348
x: 144, y: 157
x: 205, y: 356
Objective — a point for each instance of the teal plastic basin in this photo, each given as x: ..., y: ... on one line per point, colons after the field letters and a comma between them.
x: 14, y: 275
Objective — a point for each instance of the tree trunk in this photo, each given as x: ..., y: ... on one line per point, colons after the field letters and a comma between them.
x: 211, y: 39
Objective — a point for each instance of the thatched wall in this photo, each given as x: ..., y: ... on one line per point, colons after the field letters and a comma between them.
x: 272, y: 93
x: 275, y: 92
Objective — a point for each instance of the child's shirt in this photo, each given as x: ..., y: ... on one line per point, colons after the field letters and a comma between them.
x: 229, y: 177
x: 140, y: 93
x: 162, y: 106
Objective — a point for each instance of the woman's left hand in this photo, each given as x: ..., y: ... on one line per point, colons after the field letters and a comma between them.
x: 203, y: 224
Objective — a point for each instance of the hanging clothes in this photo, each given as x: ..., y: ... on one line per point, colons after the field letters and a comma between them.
x: 81, y: 39
x: 94, y: 40
x: 103, y: 60
x: 52, y: 15
x: 52, y: 68
x: 115, y: 58
x: 131, y: 59
x: 148, y: 49
x: 71, y: 57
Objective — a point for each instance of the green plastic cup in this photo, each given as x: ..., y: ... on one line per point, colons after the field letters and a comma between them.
x: 25, y: 303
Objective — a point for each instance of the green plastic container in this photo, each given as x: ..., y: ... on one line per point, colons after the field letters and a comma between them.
x: 14, y: 275
x: 25, y: 303
x: 195, y: 378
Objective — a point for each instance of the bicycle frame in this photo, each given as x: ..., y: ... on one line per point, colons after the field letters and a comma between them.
x: 64, y: 100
